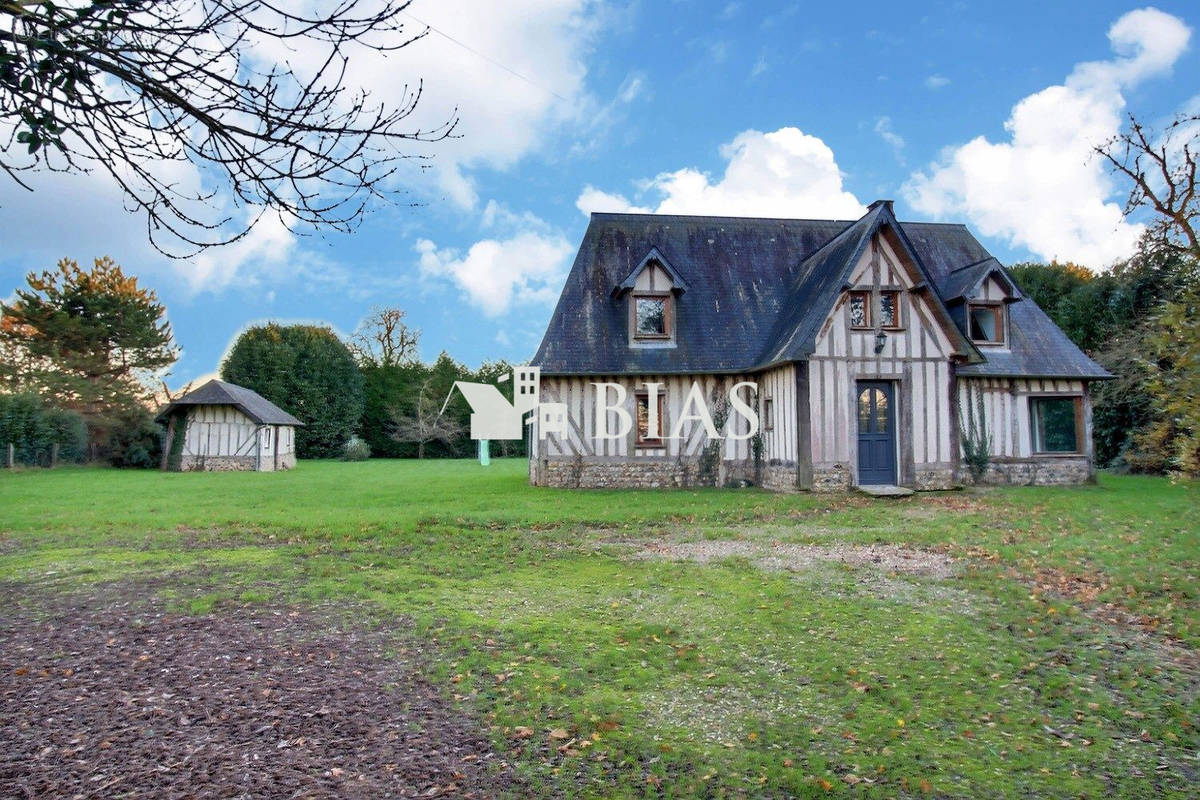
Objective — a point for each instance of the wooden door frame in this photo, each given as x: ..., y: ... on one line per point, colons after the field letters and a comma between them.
x: 894, y: 385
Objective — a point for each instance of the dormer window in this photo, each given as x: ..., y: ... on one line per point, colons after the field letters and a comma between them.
x: 650, y: 291
x: 652, y: 316
x: 986, y: 323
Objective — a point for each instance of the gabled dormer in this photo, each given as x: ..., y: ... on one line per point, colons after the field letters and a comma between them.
x: 651, y: 292
x: 978, y: 296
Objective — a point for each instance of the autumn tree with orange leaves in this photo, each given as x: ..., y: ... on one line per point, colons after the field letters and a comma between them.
x: 86, y: 340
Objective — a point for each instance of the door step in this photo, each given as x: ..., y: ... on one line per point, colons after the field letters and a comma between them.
x: 886, y: 491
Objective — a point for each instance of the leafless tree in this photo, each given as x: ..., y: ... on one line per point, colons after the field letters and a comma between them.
x: 132, y: 88
x: 384, y: 340
x: 1162, y: 170
x: 425, y: 424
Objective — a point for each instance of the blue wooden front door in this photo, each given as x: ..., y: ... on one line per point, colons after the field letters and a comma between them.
x: 876, y: 433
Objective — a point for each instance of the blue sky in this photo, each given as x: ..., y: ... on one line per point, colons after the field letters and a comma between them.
x: 981, y: 115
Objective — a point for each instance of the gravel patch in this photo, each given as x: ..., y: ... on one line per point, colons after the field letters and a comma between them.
x: 778, y: 556
x: 103, y: 699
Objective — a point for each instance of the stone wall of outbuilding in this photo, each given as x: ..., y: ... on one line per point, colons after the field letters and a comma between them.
x: 218, y: 463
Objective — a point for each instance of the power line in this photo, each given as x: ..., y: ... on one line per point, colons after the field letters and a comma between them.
x: 485, y: 57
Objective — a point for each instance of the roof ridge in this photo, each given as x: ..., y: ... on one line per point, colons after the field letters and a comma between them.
x: 717, y: 217
x: 604, y: 214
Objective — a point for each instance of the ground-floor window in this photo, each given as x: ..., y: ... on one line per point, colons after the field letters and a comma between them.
x: 1057, y: 424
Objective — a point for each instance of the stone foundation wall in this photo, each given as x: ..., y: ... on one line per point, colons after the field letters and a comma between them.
x: 835, y: 478
x: 1049, y: 471
x: 235, y: 463
x: 218, y: 463
x: 928, y: 479
x: 650, y: 473
x: 643, y: 473
x: 779, y: 476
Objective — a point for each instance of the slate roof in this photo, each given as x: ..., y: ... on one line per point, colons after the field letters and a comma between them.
x: 964, y: 280
x: 758, y: 291
x: 250, y: 403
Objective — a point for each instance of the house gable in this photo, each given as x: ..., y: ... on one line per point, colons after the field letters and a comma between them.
x: 916, y: 331
x: 829, y: 272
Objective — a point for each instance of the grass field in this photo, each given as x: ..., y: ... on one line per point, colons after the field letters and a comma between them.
x: 1058, y: 656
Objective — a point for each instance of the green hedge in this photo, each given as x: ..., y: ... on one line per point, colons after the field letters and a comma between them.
x: 33, y: 429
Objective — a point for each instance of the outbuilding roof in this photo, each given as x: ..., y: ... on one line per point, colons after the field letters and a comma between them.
x: 758, y: 290
x: 219, y: 393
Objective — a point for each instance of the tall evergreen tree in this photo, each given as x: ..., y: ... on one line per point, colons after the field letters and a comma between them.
x: 307, y: 371
x: 86, y: 340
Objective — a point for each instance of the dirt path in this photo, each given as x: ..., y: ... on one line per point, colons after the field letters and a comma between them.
x: 103, y: 699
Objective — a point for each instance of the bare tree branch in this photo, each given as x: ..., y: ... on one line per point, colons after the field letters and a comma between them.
x: 424, y: 424
x: 132, y: 87
x: 384, y: 340
x: 1162, y: 170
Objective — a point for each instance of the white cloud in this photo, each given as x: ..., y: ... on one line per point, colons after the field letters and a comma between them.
x: 267, y: 246
x: 502, y: 117
x: 936, y: 81
x: 528, y: 267
x: 784, y: 173
x: 513, y: 72
x: 593, y: 199
x: 883, y: 127
x: 1043, y: 189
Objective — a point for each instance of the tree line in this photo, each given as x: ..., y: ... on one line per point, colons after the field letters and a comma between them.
x: 83, y: 351
x: 80, y: 350
x: 373, y: 387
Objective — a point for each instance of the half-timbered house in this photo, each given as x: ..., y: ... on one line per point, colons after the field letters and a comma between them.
x: 877, y: 349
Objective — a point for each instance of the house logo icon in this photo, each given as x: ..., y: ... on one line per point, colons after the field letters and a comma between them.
x: 493, y: 417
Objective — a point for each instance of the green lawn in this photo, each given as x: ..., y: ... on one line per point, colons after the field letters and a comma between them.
x: 1060, y: 658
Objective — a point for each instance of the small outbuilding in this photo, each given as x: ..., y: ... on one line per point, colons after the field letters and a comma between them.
x: 221, y: 426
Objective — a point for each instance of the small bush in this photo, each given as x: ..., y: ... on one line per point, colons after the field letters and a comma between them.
x: 34, y: 430
x: 356, y: 450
